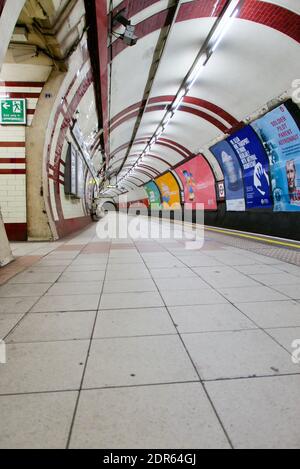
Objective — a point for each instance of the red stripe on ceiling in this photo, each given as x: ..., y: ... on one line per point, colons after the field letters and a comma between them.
x: 12, y: 144
x: 12, y: 171
x: 133, y: 7
x: 162, y: 141
x: 134, y: 177
x: 273, y: 16
x: 167, y: 140
x: 146, y: 167
x: 203, y: 115
x: 135, y: 114
x: 152, y: 157
x: 200, y: 9
x: 155, y: 22
x: 168, y: 99
x: 211, y: 107
x: 258, y: 11
x: 22, y: 84
x: 12, y: 160
x: 145, y: 173
x: 102, y: 30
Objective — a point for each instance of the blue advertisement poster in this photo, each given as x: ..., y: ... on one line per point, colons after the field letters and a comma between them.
x: 280, y: 136
x: 255, y: 165
x: 235, y: 199
x: 153, y: 195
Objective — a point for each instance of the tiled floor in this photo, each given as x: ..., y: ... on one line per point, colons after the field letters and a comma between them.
x: 136, y: 343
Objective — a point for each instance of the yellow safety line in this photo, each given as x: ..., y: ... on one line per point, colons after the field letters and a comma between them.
x: 256, y: 238
x: 242, y: 235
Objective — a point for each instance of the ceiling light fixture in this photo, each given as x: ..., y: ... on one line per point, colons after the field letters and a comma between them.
x: 203, y: 57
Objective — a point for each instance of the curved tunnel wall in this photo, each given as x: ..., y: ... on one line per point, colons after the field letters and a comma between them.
x: 253, y: 71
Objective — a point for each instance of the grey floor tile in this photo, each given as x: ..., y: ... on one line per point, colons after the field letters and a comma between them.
x: 203, y: 261
x: 161, y: 264
x: 222, y: 277
x: 36, y: 421
x: 34, y: 289
x: 130, y: 268
x: 17, y: 305
x: 259, y: 269
x: 40, y: 327
x: 205, y: 318
x: 138, y: 360
x: 35, y: 277
x: 239, y: 354
x: 236, y: 260
x: 259, y: 413
x: 54, y: 262
x: 7, y: 322
x: 130, y: 274
x: 175, y: 273
x: 292, y: 291
x: 72, y: 277
x: 43, y: 366
x: 86, y: 268
x: 125, y: 261
x: 126, y: 286
x: 289, y: 268
x: 171, y: 416
x: 289, y: 338
x: 272, y: 313
x: 38, y: 269
x: 279, y: 278
x: 192, y: 297
x: 177, y: 284
x: 76, y: 288
x: 49, y: 304
x: 133, y: 322
x: 251, y: 294
x: 130, y: 300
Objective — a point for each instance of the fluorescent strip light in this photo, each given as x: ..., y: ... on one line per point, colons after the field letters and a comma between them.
x: 225, y: 30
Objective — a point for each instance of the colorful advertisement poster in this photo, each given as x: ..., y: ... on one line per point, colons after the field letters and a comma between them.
x: 280, y: 136
x: 233, y: 176
x: 153, y: 195
x: 169, y: 191
x: 255, y: 166
x: 199, y: 183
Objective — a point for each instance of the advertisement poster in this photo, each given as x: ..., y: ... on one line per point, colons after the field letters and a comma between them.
x: 169, y: 191
x: 280, y: 136
x: 233, y: 175
x: 198, y: 182
x: 255, y: 165
x: 153, y: 195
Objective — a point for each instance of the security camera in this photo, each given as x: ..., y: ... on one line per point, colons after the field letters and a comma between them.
x: 128, y: 36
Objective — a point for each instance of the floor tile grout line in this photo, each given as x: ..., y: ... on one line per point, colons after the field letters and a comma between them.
x: 193, y: 364
x: 242, y: 312
x: 42, y: 296
x: 252, y: 320
x: 86, y: 364
x: 147, y: 385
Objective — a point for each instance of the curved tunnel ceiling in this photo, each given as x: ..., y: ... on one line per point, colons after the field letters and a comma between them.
x: 255, y: 61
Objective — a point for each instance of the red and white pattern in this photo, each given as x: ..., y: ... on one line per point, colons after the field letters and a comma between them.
x: 13, y: 159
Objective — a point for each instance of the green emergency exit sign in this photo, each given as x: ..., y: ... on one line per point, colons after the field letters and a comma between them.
x: 13, y: 111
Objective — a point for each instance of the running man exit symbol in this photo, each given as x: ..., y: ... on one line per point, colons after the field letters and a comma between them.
x: 12, y: 111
